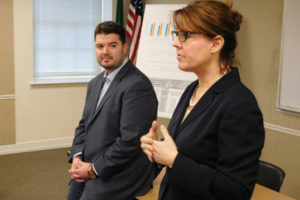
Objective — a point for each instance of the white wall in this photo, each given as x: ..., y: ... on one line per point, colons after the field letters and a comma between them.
x: 43, y: 112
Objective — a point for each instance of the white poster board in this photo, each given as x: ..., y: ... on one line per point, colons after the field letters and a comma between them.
x: 157, y: 57
x: 289, y: 94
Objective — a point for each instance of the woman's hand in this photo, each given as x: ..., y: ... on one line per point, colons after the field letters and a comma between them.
x: 147, y: 141
x: 164, y: 152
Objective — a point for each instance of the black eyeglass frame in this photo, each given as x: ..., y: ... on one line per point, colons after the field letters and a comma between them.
x: 185, y: 34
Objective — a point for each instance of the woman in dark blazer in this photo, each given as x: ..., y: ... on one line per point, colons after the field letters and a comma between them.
x: 214, y: 140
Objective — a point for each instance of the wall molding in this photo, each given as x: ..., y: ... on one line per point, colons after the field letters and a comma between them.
x: 8, y: 96
x: 282, y: 129
x: 36, y: 145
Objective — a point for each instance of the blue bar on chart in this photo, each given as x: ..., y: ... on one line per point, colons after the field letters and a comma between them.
x: 159, y: 32
x: 167, y: 31
x: 152, y: 29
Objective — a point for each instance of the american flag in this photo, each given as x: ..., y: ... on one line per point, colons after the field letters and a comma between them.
x: 134, y: 26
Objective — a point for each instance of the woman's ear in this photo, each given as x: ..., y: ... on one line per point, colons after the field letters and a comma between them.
x: 217, y: 44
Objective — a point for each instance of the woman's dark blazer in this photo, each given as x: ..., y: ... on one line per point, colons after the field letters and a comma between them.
x: 219, y: 144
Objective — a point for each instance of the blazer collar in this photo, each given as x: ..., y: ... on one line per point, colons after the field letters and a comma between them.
x: 227, y: 81
x: 113, y: 86
x: 218, y: 87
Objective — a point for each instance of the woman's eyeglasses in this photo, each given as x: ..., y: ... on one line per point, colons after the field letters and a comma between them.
x: 182, y: 35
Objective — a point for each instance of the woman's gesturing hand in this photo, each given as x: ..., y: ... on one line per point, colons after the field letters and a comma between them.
x: 147, y: 141
x: 165, y: 151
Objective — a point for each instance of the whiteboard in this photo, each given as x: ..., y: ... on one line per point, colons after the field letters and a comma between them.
x: 289, y: 84
x: 157, y: 57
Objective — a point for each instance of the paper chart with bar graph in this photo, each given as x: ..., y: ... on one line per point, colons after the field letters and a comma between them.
x: 157, y: 57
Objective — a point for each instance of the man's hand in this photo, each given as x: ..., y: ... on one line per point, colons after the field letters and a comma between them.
x: 79, y: 169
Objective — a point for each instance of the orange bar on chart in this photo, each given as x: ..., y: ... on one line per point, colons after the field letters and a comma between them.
x: 169, y: 27
x: 153, y: 29
x: 161, y: 27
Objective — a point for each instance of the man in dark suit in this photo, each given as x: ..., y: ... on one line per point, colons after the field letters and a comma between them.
x: 107, y: 162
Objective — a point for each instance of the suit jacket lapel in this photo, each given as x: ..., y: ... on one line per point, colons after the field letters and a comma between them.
x: 113, y: 86
x: 199, y: 108
x: 95, y: 94
x: 220, y: 86
x: 180, y: 110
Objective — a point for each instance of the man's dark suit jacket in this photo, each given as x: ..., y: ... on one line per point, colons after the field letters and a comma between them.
x: 110, y: 136
x: 219, y: 144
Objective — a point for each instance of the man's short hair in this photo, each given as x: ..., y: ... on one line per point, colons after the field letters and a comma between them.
x: 108, y: 27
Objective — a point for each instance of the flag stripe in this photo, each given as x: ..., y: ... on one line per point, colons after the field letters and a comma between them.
x: 129, y: 33
x: 135, y: 37
x: 130, y: 20
x: 137, y: 41
x: 131, y: 8
x: 134, y: 26
x: 133, y: 41
x: 131, y: 26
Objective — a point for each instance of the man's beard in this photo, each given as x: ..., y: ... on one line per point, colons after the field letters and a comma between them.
x: 112, y: 66
x: 109, y: 67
